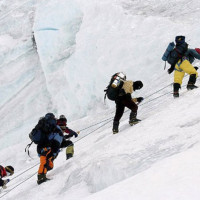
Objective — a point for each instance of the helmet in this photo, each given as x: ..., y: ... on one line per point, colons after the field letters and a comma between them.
x: 9, y: 169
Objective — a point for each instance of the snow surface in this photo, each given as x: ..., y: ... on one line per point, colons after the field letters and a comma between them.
x: 80, y: 44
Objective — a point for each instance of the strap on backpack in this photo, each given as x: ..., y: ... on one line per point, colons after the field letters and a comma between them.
x: 105, y: 94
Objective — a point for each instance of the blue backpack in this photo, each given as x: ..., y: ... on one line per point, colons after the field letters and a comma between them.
x: 173, y: 53
x: 44, y: 127
x: 170, y: 47
x: 40, y: 134
x: 37, y: 136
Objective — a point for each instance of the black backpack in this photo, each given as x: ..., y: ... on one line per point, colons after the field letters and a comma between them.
x: 116, y: 83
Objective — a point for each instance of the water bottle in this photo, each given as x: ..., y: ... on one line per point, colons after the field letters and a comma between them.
x: 168, y: 50
x: 116, y: 82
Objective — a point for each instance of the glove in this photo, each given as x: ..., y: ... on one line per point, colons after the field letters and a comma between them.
x: 140, y: 99
x: 196, y: 68
x: 4, y: 183
x: 170, y: 70
x: 76, y: 134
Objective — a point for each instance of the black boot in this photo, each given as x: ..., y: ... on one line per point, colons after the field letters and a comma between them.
x: 42, y: 178
x: 191, y: 82
x: 133, y: 120
x: 115, y: 127
x: 176, y: 90
x: 69, y: 155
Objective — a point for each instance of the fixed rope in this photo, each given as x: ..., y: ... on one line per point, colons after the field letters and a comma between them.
x: 18, y: 185
x: 96, y: 124
x: 25, y: 171
x: 110, y: 119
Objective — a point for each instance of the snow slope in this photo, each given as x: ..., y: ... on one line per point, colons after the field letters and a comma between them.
x: 80, y: 44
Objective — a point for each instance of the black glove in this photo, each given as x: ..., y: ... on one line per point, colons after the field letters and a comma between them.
x: 196, y: 68
x: 76, y: 134
x: 170, y: 70
x: 140, y: 99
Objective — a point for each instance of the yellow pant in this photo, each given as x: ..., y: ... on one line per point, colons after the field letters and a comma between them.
x: 181, y: 68
x: 70, y: 150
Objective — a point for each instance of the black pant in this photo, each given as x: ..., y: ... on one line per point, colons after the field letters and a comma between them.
x: 66, y: 143
x: 121, y: 103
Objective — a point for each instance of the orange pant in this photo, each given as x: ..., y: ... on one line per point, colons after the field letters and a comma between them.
x: 45, y: 164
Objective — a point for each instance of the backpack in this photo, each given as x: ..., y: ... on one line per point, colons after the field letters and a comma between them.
x: 174, y: 53
x: 116, y: 83
x: 45, y: 126
x: 37, y: 136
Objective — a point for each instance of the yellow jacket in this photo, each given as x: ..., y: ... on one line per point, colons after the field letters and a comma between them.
x: 128, y: 89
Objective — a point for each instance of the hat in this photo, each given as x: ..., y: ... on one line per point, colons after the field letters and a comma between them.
x: 137, y: 85
x: 9, y: 169
x: 180, y: 39
x: 63, y: 118
x: 197, y: 50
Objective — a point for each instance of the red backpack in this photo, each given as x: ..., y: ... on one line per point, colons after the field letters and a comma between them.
x: 2, y: 171
x: 197, y: 50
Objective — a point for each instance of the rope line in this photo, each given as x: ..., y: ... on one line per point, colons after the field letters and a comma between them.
x: 95, y: 124
x: 158, y: 91
x: 95, y: 129
x: 18, y: 185
x: 25, y: 171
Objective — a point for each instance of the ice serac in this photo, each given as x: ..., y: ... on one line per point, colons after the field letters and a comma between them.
x: 21, y: 78
x: 55, y: 33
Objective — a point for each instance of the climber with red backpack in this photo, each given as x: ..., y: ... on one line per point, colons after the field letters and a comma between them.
x: 120, y: 90
x: 68, y: 133
x: 5, y: 171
